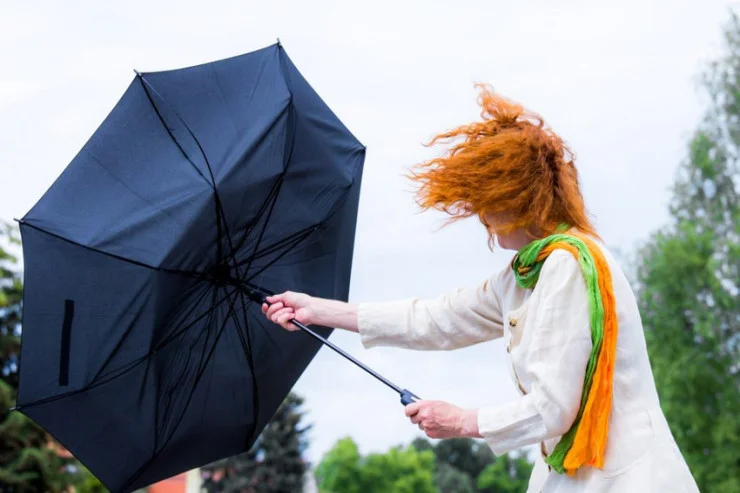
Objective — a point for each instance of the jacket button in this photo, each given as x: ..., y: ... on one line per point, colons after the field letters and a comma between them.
x: 512, y: 322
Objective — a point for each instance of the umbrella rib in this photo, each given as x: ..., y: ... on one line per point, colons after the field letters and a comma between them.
x: 286, y: 241
x: 199, y: 375
x: 264, y: 331
x: 250, y: 361
x: 259, y: 238
x: 177, y: 334
x: 183, y: 372
x: 109, y: 377
x: 271, y: 198
x: 211, y: 311
x: 128, y: 330
x: 276, y: 246
x: 286, y: 164
x: 186, y: 273
x: 113, y: 374
x: 282, y: 254
x: 221, y: 223
x: 167, y: 128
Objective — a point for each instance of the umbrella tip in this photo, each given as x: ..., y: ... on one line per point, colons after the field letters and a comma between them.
x: 138, y: 74
x: 11, y: 409
x: 279, y: 43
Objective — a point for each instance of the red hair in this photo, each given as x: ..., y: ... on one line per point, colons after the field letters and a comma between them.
x: 510, y: 164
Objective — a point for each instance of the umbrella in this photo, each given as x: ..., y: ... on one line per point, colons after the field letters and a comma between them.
x: 144, y: 351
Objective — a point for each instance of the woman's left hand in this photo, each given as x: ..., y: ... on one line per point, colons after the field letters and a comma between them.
x: 443, y: 420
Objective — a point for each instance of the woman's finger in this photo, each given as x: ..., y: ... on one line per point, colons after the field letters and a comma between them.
x: 277, y: 316
x: 273, y: 299
x: 274, y: 308
x: 412, y: 408
x: 286, y: 316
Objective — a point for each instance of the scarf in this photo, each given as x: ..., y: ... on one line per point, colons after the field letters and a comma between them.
x: 585, y: 442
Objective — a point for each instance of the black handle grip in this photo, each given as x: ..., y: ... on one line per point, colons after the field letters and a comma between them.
x: 407, y: 397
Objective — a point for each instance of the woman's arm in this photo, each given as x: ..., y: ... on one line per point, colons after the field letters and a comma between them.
x: 462, y: 318
x: 309, y: 310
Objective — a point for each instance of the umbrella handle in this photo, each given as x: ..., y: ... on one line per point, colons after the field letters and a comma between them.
x: 407, y: 397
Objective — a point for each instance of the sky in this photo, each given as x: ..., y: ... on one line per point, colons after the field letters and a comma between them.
x: 617, y: 80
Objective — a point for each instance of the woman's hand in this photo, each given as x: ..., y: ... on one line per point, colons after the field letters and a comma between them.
x: 443, y: 420
x: 289, y: 306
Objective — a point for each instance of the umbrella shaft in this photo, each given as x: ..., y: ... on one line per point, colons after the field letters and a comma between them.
x: 259, y: 297
x: 347, y: 356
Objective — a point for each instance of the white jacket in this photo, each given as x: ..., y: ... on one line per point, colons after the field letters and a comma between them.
x: 548, y: 343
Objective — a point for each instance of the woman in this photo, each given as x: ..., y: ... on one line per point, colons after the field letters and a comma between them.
x: 574, y: 336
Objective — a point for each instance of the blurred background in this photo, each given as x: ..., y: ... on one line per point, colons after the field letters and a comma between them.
x: 647, y: 93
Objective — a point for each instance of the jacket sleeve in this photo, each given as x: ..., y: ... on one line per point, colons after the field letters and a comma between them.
x: 462, y: 318
x: 556, y: 362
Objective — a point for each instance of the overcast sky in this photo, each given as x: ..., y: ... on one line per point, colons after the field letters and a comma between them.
x: 617, y: 80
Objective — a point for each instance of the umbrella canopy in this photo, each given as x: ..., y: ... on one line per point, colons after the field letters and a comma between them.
x: 142, y: 350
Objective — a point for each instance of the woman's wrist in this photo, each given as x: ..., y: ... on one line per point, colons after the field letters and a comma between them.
x: 333, y: 313
x: 469, y: 424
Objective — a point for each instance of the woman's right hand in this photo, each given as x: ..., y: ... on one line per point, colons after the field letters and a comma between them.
x: 287, y: 306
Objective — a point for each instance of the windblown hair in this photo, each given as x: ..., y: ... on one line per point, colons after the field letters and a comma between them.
x: 510, y: 164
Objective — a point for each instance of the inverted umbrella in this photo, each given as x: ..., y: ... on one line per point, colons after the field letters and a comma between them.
x: 144, y: 351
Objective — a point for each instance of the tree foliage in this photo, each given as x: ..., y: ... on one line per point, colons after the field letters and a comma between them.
x: 458, y: 465
x: 687, y: 278
x: 506, y: 475
x: 400, y: 470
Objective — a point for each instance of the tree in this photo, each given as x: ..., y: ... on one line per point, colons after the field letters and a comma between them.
x: 466, y: 465
x: 505, y: 475
x: 341, y: 468
x: 687, y: 285
x: 30, y: 460
x: 449, y: 479
x: 464, y: 454
x: 274, y: 464
x: 400, y: 470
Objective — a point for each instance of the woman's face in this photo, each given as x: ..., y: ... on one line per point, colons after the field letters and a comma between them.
x: 514, y: 240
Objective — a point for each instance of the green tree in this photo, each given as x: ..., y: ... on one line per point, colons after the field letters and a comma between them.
x: 340, y: 469
x: 464, y: 454
x: 275, y: 462
x: 449, y: 479
x: 687, y: 285
x: 400, y: 470
x: 506, y: 475
x: 466, y: 465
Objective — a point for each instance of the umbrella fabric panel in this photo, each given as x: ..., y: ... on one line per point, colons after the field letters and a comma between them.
x: 228, y: 104
x: 101, y: 310
x: 141, y: 374
x: 188, y: 404
x: 135, y: 190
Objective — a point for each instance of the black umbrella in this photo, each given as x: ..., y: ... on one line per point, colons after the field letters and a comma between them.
x: 144, y: 350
